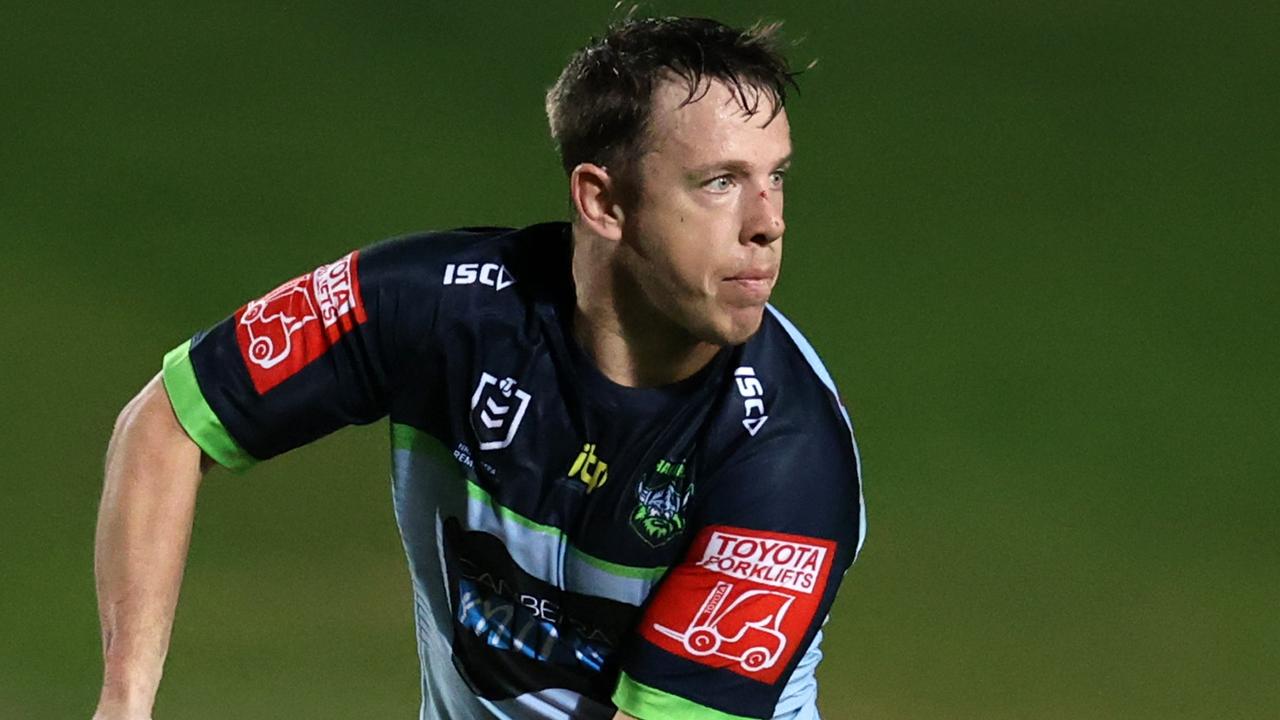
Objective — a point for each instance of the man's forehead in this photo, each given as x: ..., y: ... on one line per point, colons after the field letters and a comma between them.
x: 715, y: 120
x: 674, y: 99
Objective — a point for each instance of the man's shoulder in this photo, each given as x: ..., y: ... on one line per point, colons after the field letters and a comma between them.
x: 472, y: 270
x: 780, y: 450
x: 782, y: 400
x: 471, y: 246
x: 793, y: 380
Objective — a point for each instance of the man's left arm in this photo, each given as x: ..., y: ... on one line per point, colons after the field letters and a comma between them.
x: 733, y: 630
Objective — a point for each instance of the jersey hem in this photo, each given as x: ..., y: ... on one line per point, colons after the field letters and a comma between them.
x: 195, y: 415
x: 646, y: 703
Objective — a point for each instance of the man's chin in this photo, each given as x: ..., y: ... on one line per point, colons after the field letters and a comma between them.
x: 741, y: 324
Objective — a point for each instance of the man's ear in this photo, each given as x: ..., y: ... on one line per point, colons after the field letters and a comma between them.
x: 595, y: 198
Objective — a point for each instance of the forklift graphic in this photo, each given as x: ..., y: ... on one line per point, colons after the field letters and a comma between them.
x: 272, y: 321
x: 744, y: 630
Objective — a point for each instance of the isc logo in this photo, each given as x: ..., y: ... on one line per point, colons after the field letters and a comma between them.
x: 752, y: 392
x: 491, y: 274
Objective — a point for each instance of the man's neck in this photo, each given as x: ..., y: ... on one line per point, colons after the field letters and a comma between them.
x: 638, y: 359
x: 631, y: 343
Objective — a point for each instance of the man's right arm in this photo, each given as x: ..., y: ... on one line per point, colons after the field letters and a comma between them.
x: 153, y: 470
x: 319, y: 352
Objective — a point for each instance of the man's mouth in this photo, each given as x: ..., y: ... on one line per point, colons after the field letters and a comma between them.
x: 754, y: 286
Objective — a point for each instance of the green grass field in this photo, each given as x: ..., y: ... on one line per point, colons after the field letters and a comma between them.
x: 1038, y: 245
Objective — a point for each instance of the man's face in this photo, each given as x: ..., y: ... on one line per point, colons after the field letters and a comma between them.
x: 703, y: 238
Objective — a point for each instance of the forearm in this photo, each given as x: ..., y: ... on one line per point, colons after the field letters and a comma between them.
x: 144, y: 527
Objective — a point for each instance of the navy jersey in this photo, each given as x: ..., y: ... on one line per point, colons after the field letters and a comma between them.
x: 575, y: 545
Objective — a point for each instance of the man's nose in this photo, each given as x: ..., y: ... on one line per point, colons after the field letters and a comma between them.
x: 762, y: 221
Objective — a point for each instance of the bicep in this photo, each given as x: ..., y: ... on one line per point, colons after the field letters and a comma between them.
x: 148, y: 426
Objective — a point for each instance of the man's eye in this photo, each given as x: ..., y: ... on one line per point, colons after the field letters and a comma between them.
x: 720, y: 184
x: 776, y: 178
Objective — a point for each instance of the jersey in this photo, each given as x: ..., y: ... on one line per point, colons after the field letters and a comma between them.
x: 575, y: 546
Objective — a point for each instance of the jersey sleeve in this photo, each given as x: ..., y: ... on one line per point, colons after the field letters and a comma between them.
x: 319, y: 352
x: 734, y: 628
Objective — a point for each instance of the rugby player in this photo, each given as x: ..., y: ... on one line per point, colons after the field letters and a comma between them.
x: 626, y: 485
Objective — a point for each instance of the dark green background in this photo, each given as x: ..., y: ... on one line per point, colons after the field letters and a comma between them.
x: 1036, y: 243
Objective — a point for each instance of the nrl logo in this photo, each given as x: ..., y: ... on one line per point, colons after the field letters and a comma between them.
x: 497, y: 407
x: 661, y: 500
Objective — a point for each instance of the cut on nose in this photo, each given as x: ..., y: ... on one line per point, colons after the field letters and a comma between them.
x: 765, y: 226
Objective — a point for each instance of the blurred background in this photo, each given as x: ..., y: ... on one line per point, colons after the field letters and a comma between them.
x: 1037, y: 243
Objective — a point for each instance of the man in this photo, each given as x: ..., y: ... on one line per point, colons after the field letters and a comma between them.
x: 624, y: 483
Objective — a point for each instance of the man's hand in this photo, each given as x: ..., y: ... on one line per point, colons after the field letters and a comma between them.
x: 153, y: 470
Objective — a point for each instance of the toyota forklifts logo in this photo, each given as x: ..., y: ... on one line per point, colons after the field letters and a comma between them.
x: 743, y: 600
x: 289, y: 327
x: 740, y: 627
x: 497, y: 407
x: 273, y: 320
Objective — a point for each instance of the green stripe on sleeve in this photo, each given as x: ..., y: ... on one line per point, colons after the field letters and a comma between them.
x: 195, y: 415
x: 641, y: 701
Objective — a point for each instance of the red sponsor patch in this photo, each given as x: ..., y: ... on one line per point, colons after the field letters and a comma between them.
x: 283, y: 331
x: 742, y: 600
